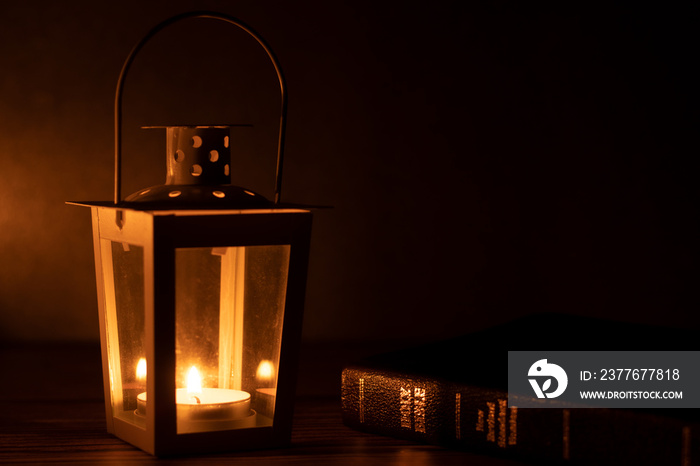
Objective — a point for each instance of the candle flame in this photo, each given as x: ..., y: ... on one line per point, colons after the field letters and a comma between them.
x: 141, y: 370
x: 266, y: 371
x: 194, y: 381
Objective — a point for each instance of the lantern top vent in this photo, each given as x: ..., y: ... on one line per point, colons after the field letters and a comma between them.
x: 198, y: 164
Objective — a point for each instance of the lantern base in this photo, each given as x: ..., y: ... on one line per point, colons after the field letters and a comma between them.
x: 211, y: 425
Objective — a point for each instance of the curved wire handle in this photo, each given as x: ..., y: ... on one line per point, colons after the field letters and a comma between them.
x: 130, y: 59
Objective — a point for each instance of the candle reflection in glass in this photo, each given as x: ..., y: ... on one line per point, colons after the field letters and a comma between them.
x: 141, y: 371
x: 266, y: 391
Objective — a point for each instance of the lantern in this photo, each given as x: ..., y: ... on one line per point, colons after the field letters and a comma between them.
x: 200, y: 288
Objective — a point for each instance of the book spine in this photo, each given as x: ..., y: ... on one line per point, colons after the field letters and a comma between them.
x: 479, y: 419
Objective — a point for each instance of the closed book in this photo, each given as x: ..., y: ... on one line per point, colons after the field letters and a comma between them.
x: 454, y: 393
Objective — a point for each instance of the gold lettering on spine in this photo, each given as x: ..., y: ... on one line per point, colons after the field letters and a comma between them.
x: 565, y: 437
x: 480, y: 420
x: 419, y: 409
x: 491, y: 422
x: 405, y: 407
x: 513, y: 426
x: 458, y: 416
x: 362, y: 400
x: 502, y: 410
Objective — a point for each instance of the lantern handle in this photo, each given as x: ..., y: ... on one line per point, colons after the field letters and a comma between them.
x: 127, y: 66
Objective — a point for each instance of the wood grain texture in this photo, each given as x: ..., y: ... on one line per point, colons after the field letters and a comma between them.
x: 51, y: 411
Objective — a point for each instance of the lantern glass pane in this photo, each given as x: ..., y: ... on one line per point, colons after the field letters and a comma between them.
x: 229, y: 309
x: 123, y: 269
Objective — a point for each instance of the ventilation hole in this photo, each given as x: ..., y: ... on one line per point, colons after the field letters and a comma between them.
x: 174, y: 193
x: 196, y: 141
x: 219, y: 194
x: 179, y: 156
x: 249, y: 193
x: 226, y: 141
x: 226, y: 170
x: 213, y: 155
x: 196, y: 170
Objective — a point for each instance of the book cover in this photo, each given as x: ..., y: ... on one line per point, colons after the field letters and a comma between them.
x: 454, y: 394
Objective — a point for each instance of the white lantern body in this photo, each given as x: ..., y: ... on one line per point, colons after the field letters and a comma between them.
x: 220, y: 291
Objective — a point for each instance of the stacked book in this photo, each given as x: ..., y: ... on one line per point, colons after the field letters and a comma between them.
x: 454, y: 393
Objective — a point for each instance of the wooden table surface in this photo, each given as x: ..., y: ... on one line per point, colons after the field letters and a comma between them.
x: 52, y: 411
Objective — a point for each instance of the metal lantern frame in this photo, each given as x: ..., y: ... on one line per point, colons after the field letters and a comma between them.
x: 162, y: 230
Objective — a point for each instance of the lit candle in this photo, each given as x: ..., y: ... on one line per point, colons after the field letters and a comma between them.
x: 207, y: 409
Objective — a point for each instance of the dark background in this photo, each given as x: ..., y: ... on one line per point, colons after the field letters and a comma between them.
x: 485, y: 160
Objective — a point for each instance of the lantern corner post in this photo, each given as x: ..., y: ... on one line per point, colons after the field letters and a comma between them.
x: 102, y: 324
x: 161, y: 336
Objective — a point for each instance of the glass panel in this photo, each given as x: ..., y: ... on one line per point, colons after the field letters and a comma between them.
x: 125, y: 323
x: 229, y: 309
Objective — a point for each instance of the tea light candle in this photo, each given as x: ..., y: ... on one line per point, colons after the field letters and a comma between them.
x: 207, y: 409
